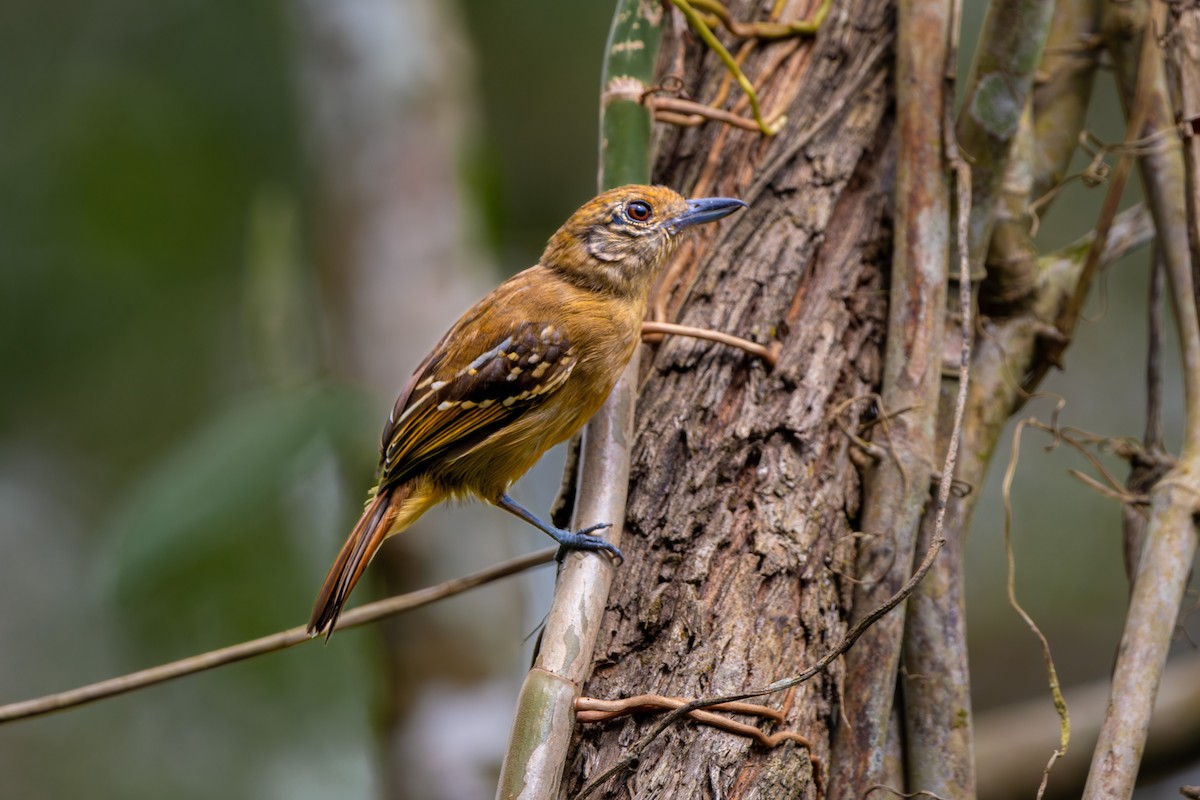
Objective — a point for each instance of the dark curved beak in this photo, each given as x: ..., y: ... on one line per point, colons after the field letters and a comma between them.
x: 706, y: 209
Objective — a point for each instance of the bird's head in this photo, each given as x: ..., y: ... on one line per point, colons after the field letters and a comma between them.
x: 619, y: 241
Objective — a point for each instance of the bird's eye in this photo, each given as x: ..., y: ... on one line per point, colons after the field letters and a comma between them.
x: 638, y: 211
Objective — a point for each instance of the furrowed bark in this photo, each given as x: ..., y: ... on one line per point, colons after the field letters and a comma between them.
x: 744, y: 499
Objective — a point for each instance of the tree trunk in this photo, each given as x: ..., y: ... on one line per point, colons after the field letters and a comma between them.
x: 744, y: 498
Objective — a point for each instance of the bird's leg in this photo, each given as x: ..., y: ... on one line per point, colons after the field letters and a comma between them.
x: 569, y: 540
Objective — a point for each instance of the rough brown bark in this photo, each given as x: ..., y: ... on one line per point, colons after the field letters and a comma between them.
x: 744, y: 499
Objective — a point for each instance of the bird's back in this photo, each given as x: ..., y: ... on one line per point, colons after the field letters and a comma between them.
x: 571, y: 350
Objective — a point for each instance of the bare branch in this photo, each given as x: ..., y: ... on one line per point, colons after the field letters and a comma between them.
x: 363, y: 615
x: 1171, y: 537
x: 896, y: 488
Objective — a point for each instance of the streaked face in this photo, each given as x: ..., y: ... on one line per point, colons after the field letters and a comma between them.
x: 628, y: 233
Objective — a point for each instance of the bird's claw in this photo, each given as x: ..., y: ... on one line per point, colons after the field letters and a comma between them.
x: 583, y: 540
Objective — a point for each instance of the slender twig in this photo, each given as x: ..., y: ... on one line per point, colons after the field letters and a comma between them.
x: 590, y: 709
x: 679, y: 111
x: 1060, y: 703
x: 1154, y: 437
x: 594, y: 709
x: 769, y: 128
x: 768, y: 354
x: 765, y: 30
x: 1182, y: 45
x: 363, y: 615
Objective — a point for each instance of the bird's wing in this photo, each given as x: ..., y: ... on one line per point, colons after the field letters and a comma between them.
x: 453, y: 403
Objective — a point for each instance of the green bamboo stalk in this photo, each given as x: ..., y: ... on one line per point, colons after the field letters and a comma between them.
x: 533, y: 766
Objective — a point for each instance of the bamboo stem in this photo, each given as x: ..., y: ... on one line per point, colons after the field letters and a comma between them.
x: 534, y: 763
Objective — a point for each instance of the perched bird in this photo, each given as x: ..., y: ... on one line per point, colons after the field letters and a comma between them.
x: 520, y: 372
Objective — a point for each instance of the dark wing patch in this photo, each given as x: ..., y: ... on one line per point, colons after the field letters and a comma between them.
x: 446, y: 414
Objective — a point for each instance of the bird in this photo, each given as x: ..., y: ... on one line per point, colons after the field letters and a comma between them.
x: 521, y: 371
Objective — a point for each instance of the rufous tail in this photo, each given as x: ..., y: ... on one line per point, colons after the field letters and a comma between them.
x: 377, y: 521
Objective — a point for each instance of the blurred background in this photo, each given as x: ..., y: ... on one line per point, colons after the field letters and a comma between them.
x: 228, y: 232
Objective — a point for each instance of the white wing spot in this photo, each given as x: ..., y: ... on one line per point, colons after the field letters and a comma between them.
x: 446, y: 405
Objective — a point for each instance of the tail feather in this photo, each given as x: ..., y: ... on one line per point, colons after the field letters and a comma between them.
x: 360, y: 547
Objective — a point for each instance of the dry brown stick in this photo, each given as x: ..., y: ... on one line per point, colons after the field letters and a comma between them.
x: 594, y: 709
x: 896, y: 487
x: 767, y: 354
x: 1171, y: 537
x: 590, y: 709
x: 1182, y: 45
x: 363, y: 615
x: 679, y: 111
x: 1060, y: 704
